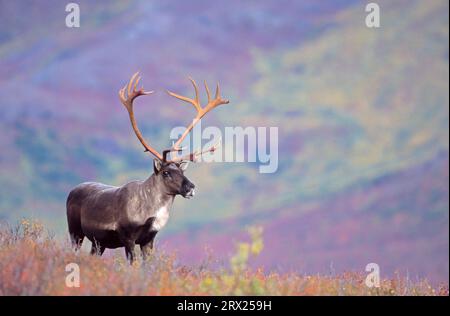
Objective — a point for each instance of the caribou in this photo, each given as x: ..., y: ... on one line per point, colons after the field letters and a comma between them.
x: 132, y: 214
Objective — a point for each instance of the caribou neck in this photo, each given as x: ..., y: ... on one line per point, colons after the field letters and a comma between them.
x: 155, y: 192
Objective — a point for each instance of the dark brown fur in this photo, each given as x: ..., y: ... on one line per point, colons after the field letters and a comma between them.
x: 112, y: 217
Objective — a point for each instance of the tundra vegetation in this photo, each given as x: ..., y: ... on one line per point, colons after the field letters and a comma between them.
x: 33, y: 261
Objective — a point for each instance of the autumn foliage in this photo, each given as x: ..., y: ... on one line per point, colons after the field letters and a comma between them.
x: 32, y: 262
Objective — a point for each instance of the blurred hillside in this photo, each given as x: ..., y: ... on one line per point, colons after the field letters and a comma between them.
x: 362, y: 116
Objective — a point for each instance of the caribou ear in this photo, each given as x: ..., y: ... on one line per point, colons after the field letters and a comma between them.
x: 184, y: 165
x: 157, y: 164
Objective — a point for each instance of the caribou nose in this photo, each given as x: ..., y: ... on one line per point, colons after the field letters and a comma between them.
x: 189, y: 189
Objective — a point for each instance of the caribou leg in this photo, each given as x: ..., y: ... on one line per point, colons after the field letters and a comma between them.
x: 130, y: 252
x: 147, y: 244
x: 146, y: 249
x: 97, y: 249
x: 77, y: 240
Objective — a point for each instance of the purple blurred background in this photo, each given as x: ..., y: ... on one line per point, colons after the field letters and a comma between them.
x: 362, y: 114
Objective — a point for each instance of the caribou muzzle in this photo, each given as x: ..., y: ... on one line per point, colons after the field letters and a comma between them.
x: 188, y: 190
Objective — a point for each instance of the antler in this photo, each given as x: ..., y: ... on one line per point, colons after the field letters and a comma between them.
x: 193, y: 156
x: 127, y: 95
x: 201, y: 111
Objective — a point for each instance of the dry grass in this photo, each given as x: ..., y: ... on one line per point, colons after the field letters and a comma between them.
x: 33, y: 263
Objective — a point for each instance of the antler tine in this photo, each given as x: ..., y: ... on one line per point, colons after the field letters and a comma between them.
x: 194, y: 156
x: 127, y: 95
x: 216, y: 101
x: 130, y: 83
x: 168, y: 151
x: 136, y: 83
x: 201, y: 111
x: 217, y: 92
x: 197, y: 99
x: 207, y: 91
x: 195, y: 102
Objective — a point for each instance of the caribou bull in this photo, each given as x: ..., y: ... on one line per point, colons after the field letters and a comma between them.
x: 113, y: 217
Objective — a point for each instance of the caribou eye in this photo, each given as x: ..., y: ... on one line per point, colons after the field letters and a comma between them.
x: 166, y: 174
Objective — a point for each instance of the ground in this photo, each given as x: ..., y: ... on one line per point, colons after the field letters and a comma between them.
x: 33, y: 262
